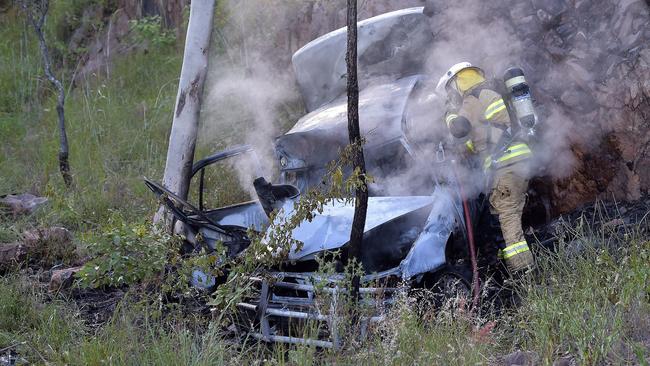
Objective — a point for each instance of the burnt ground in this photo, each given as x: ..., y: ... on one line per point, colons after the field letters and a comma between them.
x: 612, y: 219
x: 602, y: 213
x: 613, y: 223
x: 96, y: 306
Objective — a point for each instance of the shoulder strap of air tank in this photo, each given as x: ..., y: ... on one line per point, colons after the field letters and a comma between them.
x: 476, y: 92
x: 493, y: 85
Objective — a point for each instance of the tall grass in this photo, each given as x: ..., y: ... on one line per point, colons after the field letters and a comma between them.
x: 588, y: 301
x: 591, y: 297
x: 117, y: 128
x: 33, y: 324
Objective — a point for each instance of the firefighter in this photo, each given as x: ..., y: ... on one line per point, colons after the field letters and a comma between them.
x: 478, y: 117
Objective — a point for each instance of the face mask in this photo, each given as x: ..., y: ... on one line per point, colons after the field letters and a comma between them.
x: 467, y: 79
x: 454, y: 98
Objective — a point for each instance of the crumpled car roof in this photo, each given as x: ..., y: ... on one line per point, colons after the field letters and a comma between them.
x: 392, y: 44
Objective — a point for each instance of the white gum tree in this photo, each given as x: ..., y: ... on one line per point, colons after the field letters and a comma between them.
x: 185, y: 123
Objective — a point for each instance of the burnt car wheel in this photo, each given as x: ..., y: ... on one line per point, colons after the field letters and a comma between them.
x: 451, y: 287
x: 448, y: 289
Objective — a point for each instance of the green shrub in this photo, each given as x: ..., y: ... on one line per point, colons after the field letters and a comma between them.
x: 150, y: 29
x: 125, y: 254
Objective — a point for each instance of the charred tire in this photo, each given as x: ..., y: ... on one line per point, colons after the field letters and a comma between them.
x: 449, y: 287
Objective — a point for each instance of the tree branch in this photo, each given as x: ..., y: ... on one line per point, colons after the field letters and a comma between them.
x: 41, y: 7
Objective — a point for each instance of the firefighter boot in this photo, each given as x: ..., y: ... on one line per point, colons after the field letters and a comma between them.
x: 518, y: 257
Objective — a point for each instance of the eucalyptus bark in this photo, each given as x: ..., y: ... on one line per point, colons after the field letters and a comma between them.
x: 358, y: 161
x: 185, y: 123
x: 36, y: 12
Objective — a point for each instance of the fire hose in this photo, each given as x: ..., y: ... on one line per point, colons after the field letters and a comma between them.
x: 470, y: 240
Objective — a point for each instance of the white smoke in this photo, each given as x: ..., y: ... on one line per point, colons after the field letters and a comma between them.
x: 464, y: 32
x: 472, y: 30
x: 248, y: 89
x: 253, y: 74
x: 242, y: 106
x: 250, y: 81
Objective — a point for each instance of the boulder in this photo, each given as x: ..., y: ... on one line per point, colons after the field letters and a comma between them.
x: 521, y: 358
x: 49, y: 245
x: 46, y: 236
x: 12, y: 255
x: 19, y: 204
x: 45, y: 246
x: 565, y: 361
x: 63, y: 278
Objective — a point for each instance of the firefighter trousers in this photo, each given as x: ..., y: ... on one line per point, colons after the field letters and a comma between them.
x: 507, y: 201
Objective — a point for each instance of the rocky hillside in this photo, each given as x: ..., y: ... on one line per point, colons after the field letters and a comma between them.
x: 591, y: 59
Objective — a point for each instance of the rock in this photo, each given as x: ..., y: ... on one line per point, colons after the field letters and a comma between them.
x: 521, y: 10
x: 46, y: 235
x: 566, y: 31
x: 49, y: 245
x: 521, y: 358
x: 544, y: 17
x: 552, y: 7
x: 108, y: 44
x: 44, y: 245
x: 12, y: 255
x: 91, y: 15
x: 62, y: 278
x: 18, y: 204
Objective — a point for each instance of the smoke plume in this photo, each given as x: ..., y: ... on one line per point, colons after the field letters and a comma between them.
x: 587, y: 64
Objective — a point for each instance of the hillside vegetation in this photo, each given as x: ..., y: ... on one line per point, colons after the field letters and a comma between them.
x: 589, y: 303
x: 117, y: 125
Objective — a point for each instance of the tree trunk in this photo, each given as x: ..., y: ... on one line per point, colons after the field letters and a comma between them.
x: 185, y: 124
x: 358, y: 163
x: 36, y: 12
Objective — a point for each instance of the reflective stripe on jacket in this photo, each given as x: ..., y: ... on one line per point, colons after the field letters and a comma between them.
x: 516, y: 152
x: 494, y: 108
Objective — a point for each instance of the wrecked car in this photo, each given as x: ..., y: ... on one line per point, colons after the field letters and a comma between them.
x: 415, y: 231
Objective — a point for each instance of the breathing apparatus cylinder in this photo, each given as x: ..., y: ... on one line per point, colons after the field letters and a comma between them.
x: 521, y: 99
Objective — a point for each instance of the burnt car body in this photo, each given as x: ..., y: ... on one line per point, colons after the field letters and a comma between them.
x: 415, y: 233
